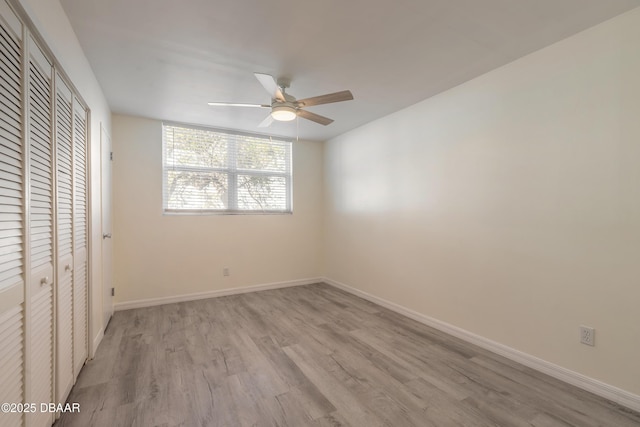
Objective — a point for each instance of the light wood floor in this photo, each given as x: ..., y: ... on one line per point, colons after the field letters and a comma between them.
x: 311, y: 356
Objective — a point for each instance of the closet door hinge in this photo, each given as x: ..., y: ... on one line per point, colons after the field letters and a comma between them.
x: 113, y: 292
x: 111, y: 155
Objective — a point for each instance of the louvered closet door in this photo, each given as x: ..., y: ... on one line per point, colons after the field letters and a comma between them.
x: 80, y: 268
x: 64, y: 221
x: 40, y: 234
x: 11, y: 216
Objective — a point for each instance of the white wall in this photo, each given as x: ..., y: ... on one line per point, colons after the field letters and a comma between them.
x: 508, y: 206
x: 53, y: 25
x: 158, y: 255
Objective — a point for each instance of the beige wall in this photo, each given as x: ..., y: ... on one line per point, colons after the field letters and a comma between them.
x: 508, y: 206
x: 160, y: 255
x: 52, y: 23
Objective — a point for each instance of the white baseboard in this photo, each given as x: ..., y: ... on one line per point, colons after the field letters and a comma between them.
x: 150, y: 302
x: 594, y: 386
x: 96, y: 342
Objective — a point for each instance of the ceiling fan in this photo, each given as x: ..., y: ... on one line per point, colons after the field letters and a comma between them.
x: 285, y: 107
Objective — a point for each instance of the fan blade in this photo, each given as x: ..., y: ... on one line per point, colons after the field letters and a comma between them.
x: 315, y: 117
x: 345, y: 95
x: 269, y: 83
x: 233, y: 104
x: 266, y: 122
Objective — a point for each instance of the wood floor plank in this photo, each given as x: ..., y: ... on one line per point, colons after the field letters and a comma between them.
x: 332, y: 420
x: 312, y: 356
x: 339, y: 391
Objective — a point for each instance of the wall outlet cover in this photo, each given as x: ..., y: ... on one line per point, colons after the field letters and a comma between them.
x: 587, y: 335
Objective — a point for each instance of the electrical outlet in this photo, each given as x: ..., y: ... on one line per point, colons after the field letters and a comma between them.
x: 587, y: 335
x: 225, y: 271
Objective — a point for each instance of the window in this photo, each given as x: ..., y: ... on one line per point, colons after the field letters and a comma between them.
x: 206, y: 170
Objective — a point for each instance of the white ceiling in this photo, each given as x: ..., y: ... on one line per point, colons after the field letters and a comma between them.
x: 165, y: 59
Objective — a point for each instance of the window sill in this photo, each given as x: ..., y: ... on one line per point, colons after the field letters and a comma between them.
x: 190, y: 212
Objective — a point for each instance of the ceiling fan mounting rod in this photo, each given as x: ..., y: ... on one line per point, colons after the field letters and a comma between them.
x: 284, y: 83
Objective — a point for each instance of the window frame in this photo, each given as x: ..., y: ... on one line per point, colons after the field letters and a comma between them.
x: 232, y: 172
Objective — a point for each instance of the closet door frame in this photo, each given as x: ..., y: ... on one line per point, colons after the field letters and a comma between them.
x: 23, y: 293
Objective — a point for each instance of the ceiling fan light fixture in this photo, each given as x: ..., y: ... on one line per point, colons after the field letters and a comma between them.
x: 283, y: 113
x: 284, y: 107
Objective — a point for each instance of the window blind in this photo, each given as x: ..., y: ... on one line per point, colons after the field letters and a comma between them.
x: 208, y: 170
